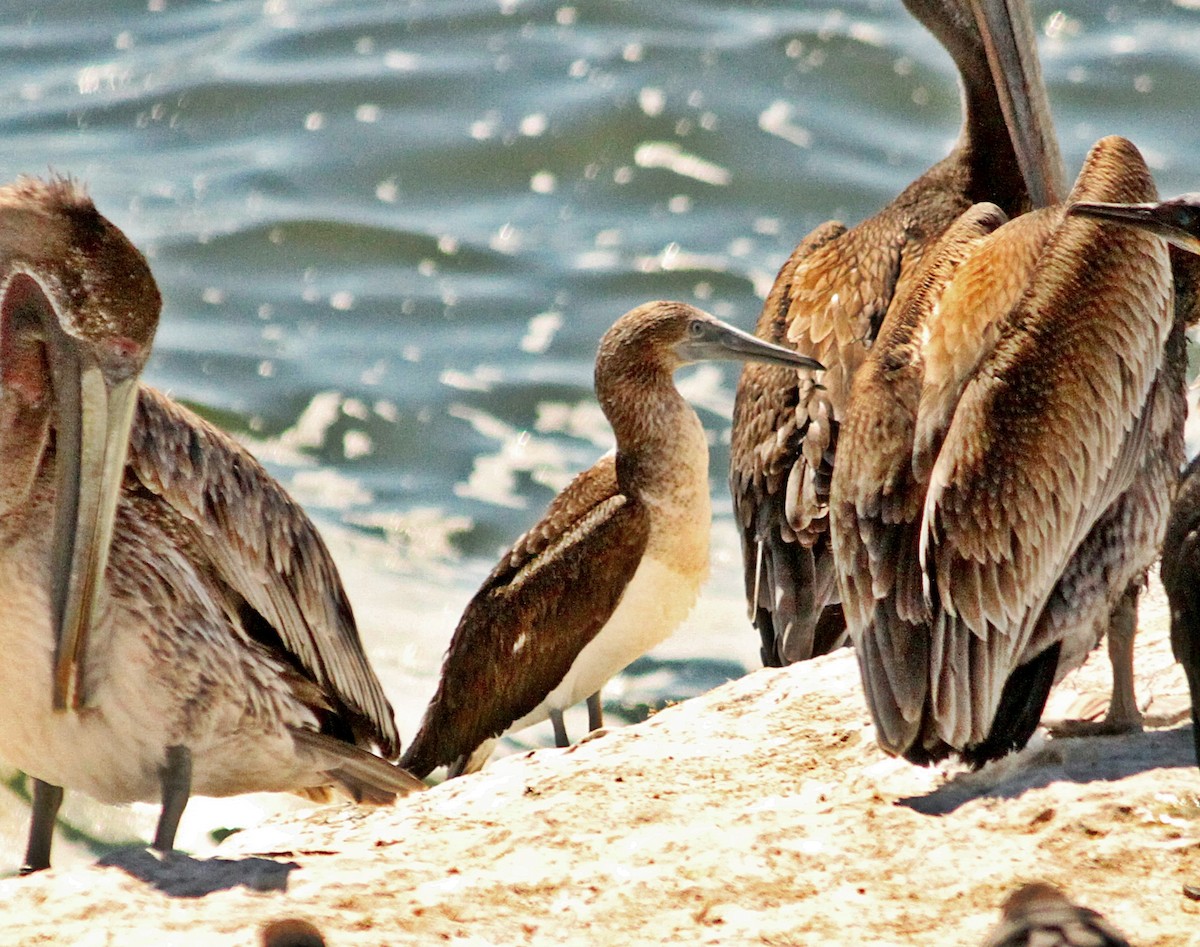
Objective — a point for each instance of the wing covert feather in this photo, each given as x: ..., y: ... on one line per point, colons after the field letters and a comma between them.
x: 263, y: 546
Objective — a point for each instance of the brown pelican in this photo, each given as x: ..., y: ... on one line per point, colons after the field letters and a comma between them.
x: 172, y: 621
x: 1010, y: 449
x: 614, y: 565
x: 1039, y: 915
x: 1181, y: 578
x: 830, y: 298
x: 1178, y: 220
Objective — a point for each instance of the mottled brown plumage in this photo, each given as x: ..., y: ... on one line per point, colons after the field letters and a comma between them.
x: 172, y: 621
x: 1181, y: 579
x: 830, y: 299
x: 1020, y: 493
x: 615, y: 563
x: 1039, y: 915
x: 1178, y: 221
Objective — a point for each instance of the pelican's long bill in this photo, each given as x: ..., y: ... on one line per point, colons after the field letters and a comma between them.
x: 1176, y: 220
x: 712, y: 339
x: 1012, y: 57
x: 94, y: 414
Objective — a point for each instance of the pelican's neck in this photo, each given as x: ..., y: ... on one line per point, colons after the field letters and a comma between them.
x: 986, y: 153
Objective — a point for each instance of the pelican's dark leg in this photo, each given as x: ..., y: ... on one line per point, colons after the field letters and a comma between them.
x: 595, y: 712
x: 46, y: 800
x: 176, y: 778
x: 560, y: 729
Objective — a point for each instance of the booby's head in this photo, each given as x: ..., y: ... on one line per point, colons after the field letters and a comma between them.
x: 78, y: 311
x: 1176, y: 220
x: 664, y: 336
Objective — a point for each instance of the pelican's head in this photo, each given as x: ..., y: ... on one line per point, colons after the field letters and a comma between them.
x: 78, y: 310
x: 1176, y: 220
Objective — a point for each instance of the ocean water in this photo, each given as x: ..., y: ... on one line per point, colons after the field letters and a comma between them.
x: 390, y: 234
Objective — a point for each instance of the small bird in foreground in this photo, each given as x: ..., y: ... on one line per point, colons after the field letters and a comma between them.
x: 172, y: 621
x: 615, y: 564
x: 1039, y: 915
x: 1178, y: 221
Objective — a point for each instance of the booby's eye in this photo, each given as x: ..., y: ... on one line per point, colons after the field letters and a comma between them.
x: 696, y: 328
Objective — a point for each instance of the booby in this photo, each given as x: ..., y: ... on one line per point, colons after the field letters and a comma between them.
x: 614, y: 565
x: 830, y: 298
x: 172, y: 621
x: 1040, y: 915
x: 1178, y: 221
x: 1011, y: 446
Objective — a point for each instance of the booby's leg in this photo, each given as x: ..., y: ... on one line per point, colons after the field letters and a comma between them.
x: 46, y: 800
x: 176, y: 780
x: 560, y: 729
x: 595, y: 712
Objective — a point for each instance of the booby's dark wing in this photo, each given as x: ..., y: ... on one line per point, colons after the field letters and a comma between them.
x: 1048, y: 432
x: 279, y: 578
x: 549, y: 596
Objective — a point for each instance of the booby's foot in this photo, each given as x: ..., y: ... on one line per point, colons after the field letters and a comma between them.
x: 594, y: 735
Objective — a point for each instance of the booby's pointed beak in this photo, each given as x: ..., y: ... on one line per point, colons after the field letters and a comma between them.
x: 1006, y: 28
x: 712, y: 339
x: 1177, y: 220
x: 94, y: 415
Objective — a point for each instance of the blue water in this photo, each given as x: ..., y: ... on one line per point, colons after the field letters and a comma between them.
x: 389, y: 235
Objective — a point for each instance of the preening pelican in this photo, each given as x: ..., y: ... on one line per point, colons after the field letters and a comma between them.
x: 172, y: 622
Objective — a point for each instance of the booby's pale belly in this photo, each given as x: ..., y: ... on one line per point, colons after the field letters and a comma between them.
x: 658, y: 598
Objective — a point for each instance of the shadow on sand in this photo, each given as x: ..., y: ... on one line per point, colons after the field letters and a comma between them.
x: 1078, y: 760
x: 182, y: 876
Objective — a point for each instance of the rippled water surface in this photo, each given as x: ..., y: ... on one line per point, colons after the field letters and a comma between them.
x: 390, y: 234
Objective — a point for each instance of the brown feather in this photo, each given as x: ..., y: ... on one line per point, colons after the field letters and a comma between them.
x: 1051, y: 429
x: 829, y: 301
x: 265, y: 551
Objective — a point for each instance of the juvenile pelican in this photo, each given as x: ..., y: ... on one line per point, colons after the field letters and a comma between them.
x: 1011, y: 444
x: 1039, y: 915
x: 830, y: 298
x: 614, y: 565
x: 172, y: 621
x: 1177, y: 220
x: 1181, y: 579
